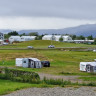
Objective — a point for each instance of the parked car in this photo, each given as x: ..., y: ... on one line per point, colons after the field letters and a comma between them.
x: 5, y: 43
x: 51, y: 46
x: 45, y: 63
x: 29, y: 47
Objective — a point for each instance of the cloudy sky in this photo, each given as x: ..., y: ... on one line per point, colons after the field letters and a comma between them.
x: 46, y: 14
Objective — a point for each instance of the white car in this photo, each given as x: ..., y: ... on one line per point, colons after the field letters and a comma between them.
x: 30, y: 47
x: 5, y: 43
x: 51, y: 46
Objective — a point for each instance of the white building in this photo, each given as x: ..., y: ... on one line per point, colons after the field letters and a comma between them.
x: 14, y: 38
x: 27, y: 38
x: 51, y: 37
x: 1, y: 36
x: 48, y: 37
x: 67, y: 38
x: 22, y: 38
x: 83, y: 41
x: 56, y: 37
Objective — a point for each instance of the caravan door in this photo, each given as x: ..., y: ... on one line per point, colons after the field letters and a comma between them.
x: 88, y: 68
x: 94, y: 68
x: 32, y: 64
x: 25, y: 63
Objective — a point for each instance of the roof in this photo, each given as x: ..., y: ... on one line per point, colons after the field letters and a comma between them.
x: 14, y: 37
x: 28, y: 36
x: 57, y: 36
x: 34, y: 59
x: 47, y: 35
x: 91, y: 63
x: 65, y: 36
x: 83, y: 40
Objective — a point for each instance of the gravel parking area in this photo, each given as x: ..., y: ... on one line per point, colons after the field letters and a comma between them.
x: 70, y: 91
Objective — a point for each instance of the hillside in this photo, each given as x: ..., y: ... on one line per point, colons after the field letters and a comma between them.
x: 85, y: 30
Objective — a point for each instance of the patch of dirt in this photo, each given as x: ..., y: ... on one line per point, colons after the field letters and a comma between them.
x: 65, y: 78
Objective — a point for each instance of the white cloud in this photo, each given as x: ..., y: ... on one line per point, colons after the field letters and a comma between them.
x: 18, y: 23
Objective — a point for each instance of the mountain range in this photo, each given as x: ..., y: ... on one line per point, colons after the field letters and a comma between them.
x: 85, y: 30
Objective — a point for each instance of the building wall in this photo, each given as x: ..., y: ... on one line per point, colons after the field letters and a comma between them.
x: 1, y: 36
x: 22, y: 38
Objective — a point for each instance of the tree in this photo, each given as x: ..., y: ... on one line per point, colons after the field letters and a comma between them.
x: 80, y: 37
x: 94, y: 41
x: 13, y: 33
x: 39, y: 37
x: 33, y: 33
x: 90, y: 37
x: 6, y: 36
x: 73, y: 37
x: 61, y: 39
x: 23, y: 34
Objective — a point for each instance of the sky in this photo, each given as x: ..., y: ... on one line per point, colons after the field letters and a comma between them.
x: 46, y: 14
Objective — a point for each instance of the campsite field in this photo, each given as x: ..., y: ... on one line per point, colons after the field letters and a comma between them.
x: 62, y: 62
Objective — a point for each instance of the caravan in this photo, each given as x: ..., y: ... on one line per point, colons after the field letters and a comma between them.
x: 28, y: 62
x: 88, y: 66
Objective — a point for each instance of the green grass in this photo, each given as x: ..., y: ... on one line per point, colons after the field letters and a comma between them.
x: 90, y: 78
x: 61, y: 61
x: 7, y: 86
x: 44, y: 44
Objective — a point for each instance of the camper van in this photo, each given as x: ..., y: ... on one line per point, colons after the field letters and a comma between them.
x: 88, y: 66
x: 28, y: 62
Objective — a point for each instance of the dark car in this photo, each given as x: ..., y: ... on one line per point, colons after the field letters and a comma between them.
x: 45, y: 63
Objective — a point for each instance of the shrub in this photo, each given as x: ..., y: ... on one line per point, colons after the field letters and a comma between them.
x: 21, y: 76
x: 56, y: 82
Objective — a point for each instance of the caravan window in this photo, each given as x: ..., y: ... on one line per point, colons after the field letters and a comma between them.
x: 24, y: 61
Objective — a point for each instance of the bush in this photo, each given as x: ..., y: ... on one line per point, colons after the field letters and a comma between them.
x: 56, y: 82
x: 21, y: 76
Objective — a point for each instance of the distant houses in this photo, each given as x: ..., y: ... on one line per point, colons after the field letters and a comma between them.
x: 65, y: 38
x: 14, y: 38
x: 20, y: 39
x: 57, y: 38
x: 27, y: 38
x: 83, y: 41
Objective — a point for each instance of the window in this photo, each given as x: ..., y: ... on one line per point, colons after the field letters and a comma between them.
x: 24, y: 62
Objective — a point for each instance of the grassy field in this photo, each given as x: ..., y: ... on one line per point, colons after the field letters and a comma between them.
x: 62, y: 62
x: 65, y: 62
x: 44, y: 44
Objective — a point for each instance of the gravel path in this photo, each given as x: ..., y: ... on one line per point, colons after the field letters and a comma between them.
x: 82, y: 91
x: 64, y: 77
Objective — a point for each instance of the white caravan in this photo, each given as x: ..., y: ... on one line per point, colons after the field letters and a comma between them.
x: 28, y: 62
x: 88, y: 66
